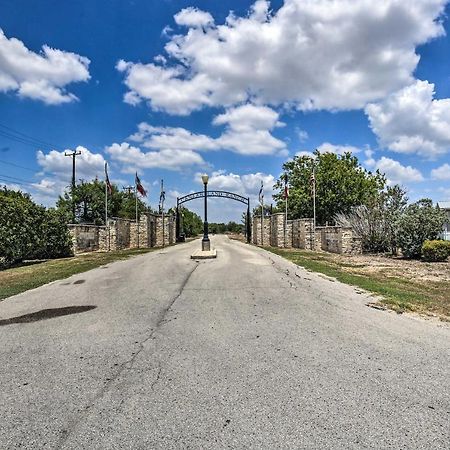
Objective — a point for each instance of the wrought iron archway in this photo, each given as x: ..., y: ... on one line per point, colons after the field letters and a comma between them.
x: 220, y: 194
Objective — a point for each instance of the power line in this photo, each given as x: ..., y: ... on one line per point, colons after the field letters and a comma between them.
x: 17, y: 180
x: 17, y: 165
x: 13, y: 134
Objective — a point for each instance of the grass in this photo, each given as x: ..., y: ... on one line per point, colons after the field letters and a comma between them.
x: 29, y: 276
x: 399, y: 294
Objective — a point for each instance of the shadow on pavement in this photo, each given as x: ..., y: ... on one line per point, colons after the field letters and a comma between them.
x: 45, y: 314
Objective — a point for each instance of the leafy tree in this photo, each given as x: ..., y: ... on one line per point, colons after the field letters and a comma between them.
x: 341, y: 184
x: 89, y: 200
x: 421, y: 221
x: 29, y: 231
x: 268, y: 210
x: 192, y: 224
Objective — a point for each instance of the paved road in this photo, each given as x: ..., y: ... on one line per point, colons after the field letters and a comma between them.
x: 246, y: 351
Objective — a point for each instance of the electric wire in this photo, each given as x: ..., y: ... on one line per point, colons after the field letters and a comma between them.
x: 17, y: 165
x: 11, y: 133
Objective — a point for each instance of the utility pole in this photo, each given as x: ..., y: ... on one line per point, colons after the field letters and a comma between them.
x: 74, y: 154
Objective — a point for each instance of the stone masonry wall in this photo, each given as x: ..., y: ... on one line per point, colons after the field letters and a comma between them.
x: 281, y: 233
x: 300, y: 233
x: 85, y: 238
x: 265, y: 238
x: 123, y: 234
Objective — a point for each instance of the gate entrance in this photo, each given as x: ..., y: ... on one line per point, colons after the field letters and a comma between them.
x: 221, y: 194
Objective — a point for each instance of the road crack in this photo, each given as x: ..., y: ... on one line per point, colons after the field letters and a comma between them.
x: 126, y: 365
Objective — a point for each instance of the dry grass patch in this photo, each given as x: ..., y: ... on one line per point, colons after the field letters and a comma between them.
x: 404, y: 285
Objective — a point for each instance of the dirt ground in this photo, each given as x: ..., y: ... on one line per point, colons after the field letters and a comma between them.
x: 394, y: 266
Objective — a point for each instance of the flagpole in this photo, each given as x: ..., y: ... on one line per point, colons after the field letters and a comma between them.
x: 286, y: 208
x: 161, y: 202
x: 106, y: 207
x: 285, y: 220
x: 137, y: 222
x: 314, y: 207
x: 262, y: 221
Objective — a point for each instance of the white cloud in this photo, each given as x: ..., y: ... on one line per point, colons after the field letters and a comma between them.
x: 193, y: 17
x: 247, y: 185
x: 305, y: 153
x: 441, y: 173
x: 412, y: 121
x: 88, y: 164
x: 172, y: 138
x: 133, y: 158
x: 247, y: 131
x: 319, y: 54
x: 302, y: 135
x: 395, y: 172
x: 40, y: 76
x: 326, y: 147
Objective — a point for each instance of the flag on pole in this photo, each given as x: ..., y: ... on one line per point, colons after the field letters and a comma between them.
x: 286, y: 187
x: 108, y: 183
x: 139, y: 187
x: 162, y: 196
x: 261, y: 193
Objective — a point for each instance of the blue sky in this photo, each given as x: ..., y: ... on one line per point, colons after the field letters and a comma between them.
x: 233, y: 88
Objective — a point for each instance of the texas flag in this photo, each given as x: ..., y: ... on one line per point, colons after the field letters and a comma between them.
x: 139, y: 187
x: 286, y: 188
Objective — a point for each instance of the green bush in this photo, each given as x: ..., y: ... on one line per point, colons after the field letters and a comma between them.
x: 419, y: 222
x: 436, y: 250
x: 30, y: 231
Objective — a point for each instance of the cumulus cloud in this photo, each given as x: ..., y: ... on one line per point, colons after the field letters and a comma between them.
x: 311, y: 54
x: 133, y: 158
x: 247, y: 132
x: 40, y: 76
x: 412, y: 121
x: 247, y: 185
x: 88, y: 164
x: 193, y: 17
x: 326, y: 147
x: 441, y: 173
x: 395, y: 172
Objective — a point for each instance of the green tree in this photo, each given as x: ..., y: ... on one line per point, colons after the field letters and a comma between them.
x: 192, y: 224
x: 341, y: 184
x: 420, y: 221
x: 89, y: 200
x: 29, y: 231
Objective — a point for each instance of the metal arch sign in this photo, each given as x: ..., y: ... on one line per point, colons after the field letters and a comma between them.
x: 222, y: 194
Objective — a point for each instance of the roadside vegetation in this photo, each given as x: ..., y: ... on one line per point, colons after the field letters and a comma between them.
x: 404, y: 285
x: 37, y: 273
x: 349, y: 195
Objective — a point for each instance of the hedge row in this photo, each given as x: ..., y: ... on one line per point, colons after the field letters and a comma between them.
x: 30, y: 231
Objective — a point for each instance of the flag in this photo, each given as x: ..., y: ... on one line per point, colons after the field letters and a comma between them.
x: 108, y: 183
x: 286, y: 188
x: 162, y: 196
x: 261, y: 193
x: 139, y: 187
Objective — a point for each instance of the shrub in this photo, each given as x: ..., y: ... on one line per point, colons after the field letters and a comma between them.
x: 29, y: 231
x: 419, y: 222
x: 436, y: 250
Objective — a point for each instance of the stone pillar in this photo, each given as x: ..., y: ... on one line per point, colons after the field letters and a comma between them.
x: 296, y: 233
